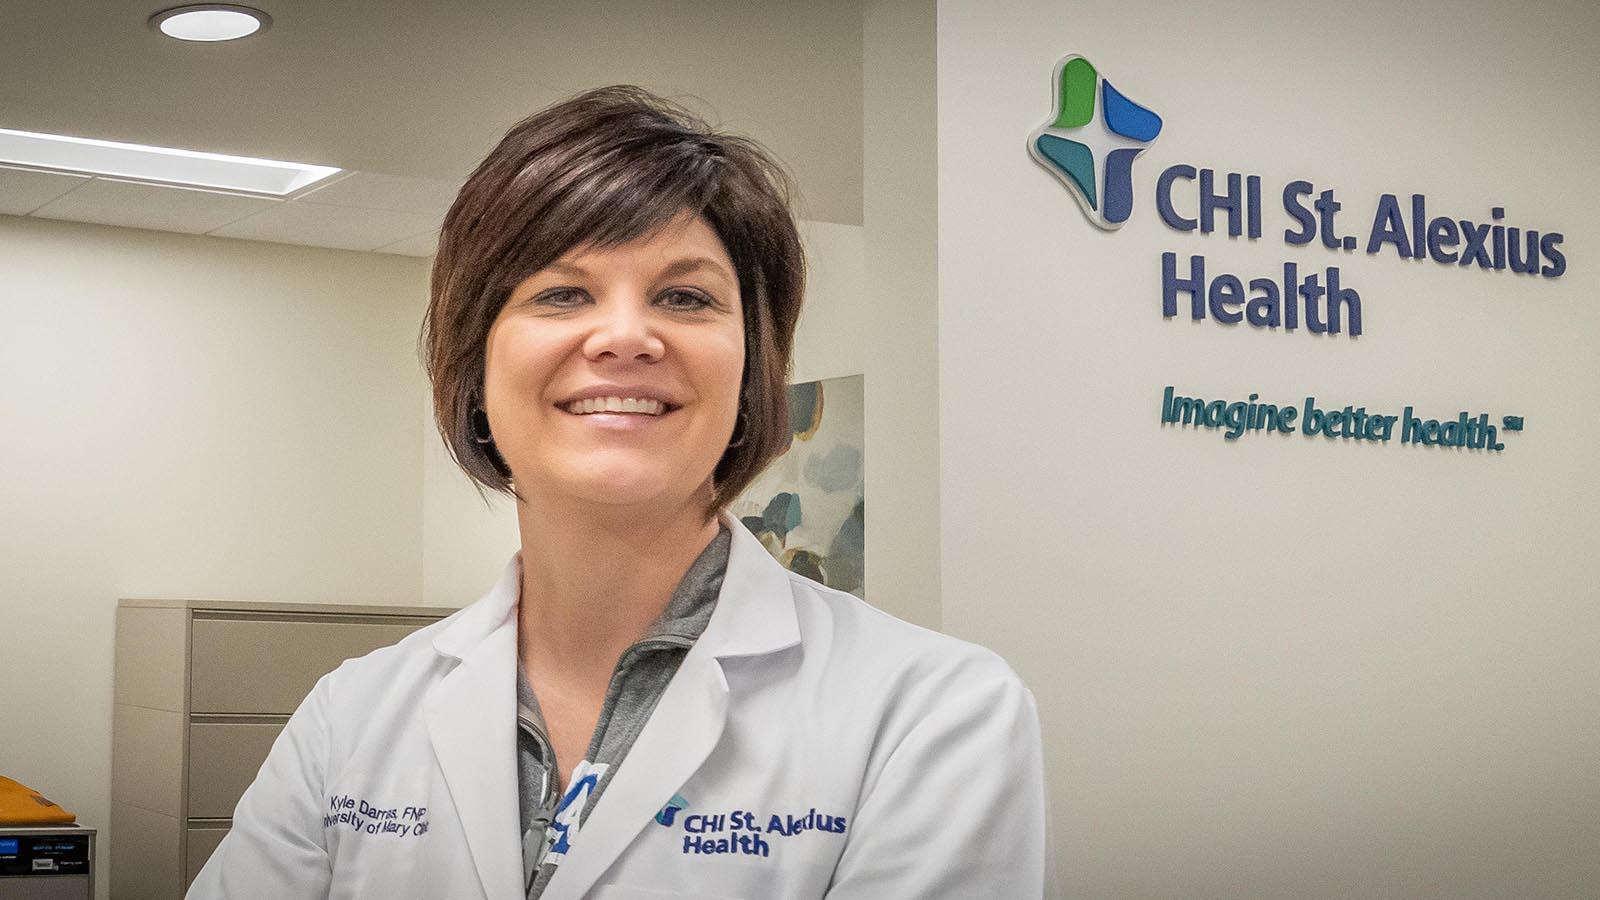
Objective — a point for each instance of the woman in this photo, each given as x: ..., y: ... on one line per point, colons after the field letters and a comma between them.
x: 646, y: 705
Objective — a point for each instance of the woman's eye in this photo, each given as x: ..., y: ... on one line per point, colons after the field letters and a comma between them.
x: 680, y: 299
x: 561, y: 297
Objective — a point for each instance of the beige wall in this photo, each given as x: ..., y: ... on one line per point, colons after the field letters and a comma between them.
x: 900, y: 216
x: 1282, y: 668
x: 466, y: 539
x: 187, y: 416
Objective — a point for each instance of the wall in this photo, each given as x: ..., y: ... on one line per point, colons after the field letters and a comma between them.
x: 900, y: 217
x: 1281, y: 667
x: 187, y: 416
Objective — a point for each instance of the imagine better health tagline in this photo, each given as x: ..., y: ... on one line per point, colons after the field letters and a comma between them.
x: 1352, y: 423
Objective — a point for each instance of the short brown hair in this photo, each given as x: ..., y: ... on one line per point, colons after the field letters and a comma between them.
x: 601, y: 169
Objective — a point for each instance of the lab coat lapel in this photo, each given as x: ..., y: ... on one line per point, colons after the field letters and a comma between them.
x: 471, y: 724
x: 754, y: 615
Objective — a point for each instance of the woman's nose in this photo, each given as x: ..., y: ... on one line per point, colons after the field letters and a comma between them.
x: 623, y: 329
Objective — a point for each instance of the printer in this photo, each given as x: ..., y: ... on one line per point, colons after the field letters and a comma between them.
x: 44, y: 855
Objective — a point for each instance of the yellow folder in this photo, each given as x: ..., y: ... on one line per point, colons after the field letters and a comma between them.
x: 22, y: 805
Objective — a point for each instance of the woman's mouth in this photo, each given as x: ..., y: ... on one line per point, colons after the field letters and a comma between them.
x: 637, y: 405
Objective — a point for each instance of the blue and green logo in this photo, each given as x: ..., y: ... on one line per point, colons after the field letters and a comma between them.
x: 1091, y: 145
x: 670, y: 811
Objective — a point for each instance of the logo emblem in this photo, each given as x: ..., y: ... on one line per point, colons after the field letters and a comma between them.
x: 568, y: 817
x: 1092, y: 141
x: 670, y: 811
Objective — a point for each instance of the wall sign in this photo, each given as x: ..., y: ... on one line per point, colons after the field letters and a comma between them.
x: 1090, y: 144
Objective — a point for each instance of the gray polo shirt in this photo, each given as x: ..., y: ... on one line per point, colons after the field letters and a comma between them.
x: 551, y: 822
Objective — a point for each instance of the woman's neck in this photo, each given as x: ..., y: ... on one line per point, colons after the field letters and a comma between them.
x: 594, y: 579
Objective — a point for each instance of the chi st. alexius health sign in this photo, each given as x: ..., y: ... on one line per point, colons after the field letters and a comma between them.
x: 1090, y: 144
x: 1320, y: 300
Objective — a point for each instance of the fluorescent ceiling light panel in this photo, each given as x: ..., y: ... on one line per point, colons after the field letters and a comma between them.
x: 164, y: 164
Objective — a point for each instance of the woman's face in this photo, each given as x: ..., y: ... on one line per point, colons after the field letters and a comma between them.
x: 612, y: 376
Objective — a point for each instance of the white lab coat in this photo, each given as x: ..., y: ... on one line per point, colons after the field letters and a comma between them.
x: 895, y: 762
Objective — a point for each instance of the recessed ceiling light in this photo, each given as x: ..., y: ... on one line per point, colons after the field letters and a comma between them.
x: 164, y: 164
x: 210, y: 22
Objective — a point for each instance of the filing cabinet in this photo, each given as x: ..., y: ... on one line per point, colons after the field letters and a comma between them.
x: 203, y: 687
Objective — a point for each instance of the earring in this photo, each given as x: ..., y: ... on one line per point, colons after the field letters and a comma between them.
x: 480, y: 426
x: 739, y: 429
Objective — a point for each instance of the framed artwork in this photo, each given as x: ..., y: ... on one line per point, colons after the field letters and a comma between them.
x: 807, y: 507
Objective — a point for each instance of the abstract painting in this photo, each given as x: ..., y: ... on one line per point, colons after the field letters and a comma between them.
x: 807, y: 507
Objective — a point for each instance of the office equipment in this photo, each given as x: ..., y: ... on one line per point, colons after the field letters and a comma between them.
x: 47, y: 863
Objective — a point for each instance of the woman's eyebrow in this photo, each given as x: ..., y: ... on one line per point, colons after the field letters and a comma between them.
x: 695, y: 264
x: 568, y: 269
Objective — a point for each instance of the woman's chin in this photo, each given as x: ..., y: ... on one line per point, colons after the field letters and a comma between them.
x: 621, y: 495
x: 623, y: 487
x: 617, y: 480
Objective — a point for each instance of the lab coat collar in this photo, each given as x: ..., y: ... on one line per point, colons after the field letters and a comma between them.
x: 476, y: 747
x: 755, y: 609
x: 481, y: 618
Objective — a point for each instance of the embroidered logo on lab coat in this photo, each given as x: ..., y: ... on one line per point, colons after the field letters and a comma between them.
x: 670, y: 811
x: 742, y: 831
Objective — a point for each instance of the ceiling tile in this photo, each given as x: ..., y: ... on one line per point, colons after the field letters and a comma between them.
x: 24, y: 190
x: 136, y: 205
x: 316, y: 225
x: 420, y: 245
x: 369, y: 190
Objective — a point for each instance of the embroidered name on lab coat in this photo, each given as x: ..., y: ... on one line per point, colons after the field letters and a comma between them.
x: 364, y: 817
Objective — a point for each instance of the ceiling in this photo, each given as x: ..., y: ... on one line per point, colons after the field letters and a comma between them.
x: 410, y: 94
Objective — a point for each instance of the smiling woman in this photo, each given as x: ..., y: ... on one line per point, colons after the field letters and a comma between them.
x: 613, y: 308
x: 580, y: 180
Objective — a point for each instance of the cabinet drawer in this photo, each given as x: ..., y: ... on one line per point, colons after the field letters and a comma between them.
x: 267, y: 666
x: 223, y: 760
x: 202, y: 843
